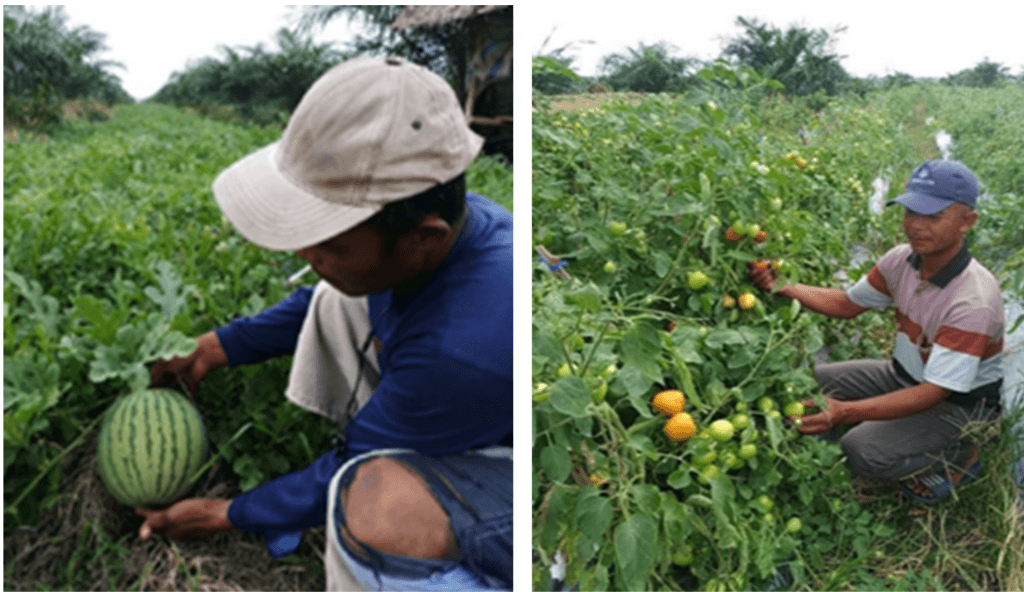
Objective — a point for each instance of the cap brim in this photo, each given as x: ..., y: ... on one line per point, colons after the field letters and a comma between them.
x: 921, y: 203
x: 269, y: 211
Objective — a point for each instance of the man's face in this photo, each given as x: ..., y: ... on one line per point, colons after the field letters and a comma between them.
x: 355, y: 263
x: 939, y: 232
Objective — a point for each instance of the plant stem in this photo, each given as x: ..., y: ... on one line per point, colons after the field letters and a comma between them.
x: 55, y: 460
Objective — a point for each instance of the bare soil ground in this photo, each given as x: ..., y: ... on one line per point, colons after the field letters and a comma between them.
x: 87, y: 541
x: 591, y: 100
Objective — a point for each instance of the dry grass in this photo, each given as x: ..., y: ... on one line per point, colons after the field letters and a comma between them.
x: 88, y: 542
x: 591, y: 100
x: 90, y: 109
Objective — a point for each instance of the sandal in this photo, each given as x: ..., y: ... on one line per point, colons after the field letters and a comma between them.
x: 932, y: 489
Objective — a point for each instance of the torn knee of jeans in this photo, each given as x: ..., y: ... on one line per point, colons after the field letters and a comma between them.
x: 389, y: 508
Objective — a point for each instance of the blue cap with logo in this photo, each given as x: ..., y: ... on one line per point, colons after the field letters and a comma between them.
x: 936, y: 184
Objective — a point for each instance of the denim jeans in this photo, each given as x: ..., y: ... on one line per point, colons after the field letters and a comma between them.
x: 475, y: 491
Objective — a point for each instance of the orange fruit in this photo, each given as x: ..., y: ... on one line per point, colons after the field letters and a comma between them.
x: 669, y: 402
x: 680, y: 427
x: 747, y: 300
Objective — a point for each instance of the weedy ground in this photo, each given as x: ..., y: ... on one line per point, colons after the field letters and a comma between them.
x: 87, y: 541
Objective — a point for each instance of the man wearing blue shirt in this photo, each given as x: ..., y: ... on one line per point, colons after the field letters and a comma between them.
x: 406, y: 342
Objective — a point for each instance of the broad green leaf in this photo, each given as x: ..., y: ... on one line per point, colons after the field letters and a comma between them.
x: 636, y: 546
x: 722, y: 337
x: 685, y: 378
x: 647, y: 498
x: 635, y: 383
x: 110, y: 362
x: 640, y: 347
x: 102, y: 316
x: 594, y: 515
x: 588, y: 297
x: 643, y: 444
x: 162, y: 343
x: 545, y: 346
x: 555, y: 462
x: 774, y: 432
x: 680, y: 478
x: 741, y: 358
x: 662, y: 263
x: 570, y: 396
x: 598, y: 241
x: 561, y: 502
x: 723, y: 496
x: 31, y: 382
x: 169, y: 292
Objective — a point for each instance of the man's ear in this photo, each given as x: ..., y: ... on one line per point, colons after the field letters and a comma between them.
x: 430, y: 233
x: 970, y: 216
x: 433, y: 228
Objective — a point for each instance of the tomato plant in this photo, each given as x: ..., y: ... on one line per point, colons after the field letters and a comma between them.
x: 682, y: 193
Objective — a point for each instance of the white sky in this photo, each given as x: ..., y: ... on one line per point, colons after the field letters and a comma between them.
x: 155, y: 40
x: 917, y: 38
x: 882, y: 37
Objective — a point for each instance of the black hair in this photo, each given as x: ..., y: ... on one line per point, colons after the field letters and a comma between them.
x: 403, y: 216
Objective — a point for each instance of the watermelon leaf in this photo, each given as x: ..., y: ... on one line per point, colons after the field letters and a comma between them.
x: 134, y: 347
x: 169, y: 292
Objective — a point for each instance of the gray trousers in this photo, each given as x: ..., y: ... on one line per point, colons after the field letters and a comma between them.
x: 897, y: 448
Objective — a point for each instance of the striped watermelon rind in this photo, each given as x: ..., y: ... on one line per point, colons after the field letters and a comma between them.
x: 151, y: 444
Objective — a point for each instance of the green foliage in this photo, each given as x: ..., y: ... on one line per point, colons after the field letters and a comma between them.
x: 444, y: 49
x: 798, y: 58
x: 46, y: 64
x: 634, y: 198
x: 439, y: 48
x: 492, y: 179
x: 115, y: 254
x: 255, y: 84
x: 553, y: 74
x: 647, y: 68
x: 982, y: 75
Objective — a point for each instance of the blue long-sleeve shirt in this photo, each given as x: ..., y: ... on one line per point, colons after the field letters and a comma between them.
x: 446, y: 372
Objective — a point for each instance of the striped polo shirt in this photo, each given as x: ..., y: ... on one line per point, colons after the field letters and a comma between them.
x: 949, y: 328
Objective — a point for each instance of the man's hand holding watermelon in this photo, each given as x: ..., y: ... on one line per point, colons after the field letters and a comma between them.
x: 192, y: 369
x: 187, y: 519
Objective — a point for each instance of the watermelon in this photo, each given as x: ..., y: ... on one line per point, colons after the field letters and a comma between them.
x: 152, y: 443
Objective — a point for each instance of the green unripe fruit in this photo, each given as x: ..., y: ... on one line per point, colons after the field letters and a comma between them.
x: 697, y: 280
x: 721, y: 430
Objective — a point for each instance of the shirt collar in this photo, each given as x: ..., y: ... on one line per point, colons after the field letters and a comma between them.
x: 942, y: 277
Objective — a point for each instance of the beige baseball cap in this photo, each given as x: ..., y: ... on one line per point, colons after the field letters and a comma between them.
x: 370, y: 131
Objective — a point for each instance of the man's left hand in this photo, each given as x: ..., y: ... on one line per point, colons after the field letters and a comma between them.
x: 824, y: 419
x: 187, y: 519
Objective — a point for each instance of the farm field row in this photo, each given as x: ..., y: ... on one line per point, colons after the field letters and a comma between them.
x: 115, y: 255
x: 653, y: 208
